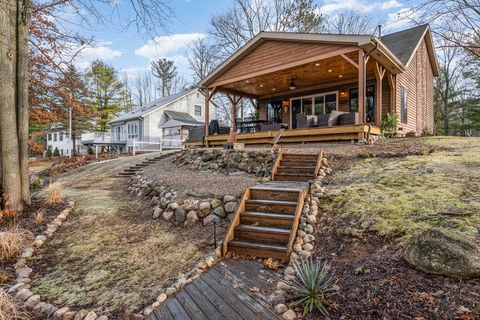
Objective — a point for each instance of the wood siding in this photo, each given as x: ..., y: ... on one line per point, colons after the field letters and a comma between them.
x: 271, y: 54
x: 418, y: 80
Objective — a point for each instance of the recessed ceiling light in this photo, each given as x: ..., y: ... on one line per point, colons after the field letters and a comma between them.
x: 274, y: 89
x: 248, y: 81
x: 261, y: 86
x: 317, y: 64
x: 330, y: 70
x: 340, y: 75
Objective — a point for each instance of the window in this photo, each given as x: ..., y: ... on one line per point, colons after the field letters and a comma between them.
x: 132, y: 130
x: 60, y: 136
x: 403, y: 105
x: 49, y: 137
x: 55, y: 136
x: 274, y: 111
x: 198, y: 111
x: 369, y: 102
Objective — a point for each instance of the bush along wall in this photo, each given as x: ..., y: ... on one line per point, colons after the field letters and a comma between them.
x: 259, y: 162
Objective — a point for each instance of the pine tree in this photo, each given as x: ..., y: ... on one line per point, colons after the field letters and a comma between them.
x: 166, y: 71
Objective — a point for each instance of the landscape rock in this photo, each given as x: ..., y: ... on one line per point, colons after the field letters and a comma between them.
x: 289, y: 315
x: 304, y: 254
x: 308, y: 238
x: 216, y: 203
x: 157, y: 212
x: 444, y: 252
x: 290, y: 271
x: 80, y: 315
x: 33, y: 300
x: 91, y: 316
x: 308, y: 247
x: 230, y: 207
x: 219, y: 211
x: 167, y: 215
x: 210, y: 219
x: 228, y: 198
x: 162, y: 297
x: 180, y: 215
x: 102, y: 318
x: 280, y: 308
x: 60, y: 313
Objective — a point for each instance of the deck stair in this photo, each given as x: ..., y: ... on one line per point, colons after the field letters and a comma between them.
x: 132, y: 170
x: 266, y: 221
x: 296, y: 167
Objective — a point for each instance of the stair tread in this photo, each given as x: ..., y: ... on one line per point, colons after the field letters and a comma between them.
x: 268, y: 215
x: 279, y: 202
x: 258, y: 245
x: 253, y: 228
x: 293, y: 174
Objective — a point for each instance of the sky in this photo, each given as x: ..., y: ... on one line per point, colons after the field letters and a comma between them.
x: 129, y: 52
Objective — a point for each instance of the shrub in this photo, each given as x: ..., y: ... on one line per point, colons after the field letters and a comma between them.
x: 90, y: 151
x: 54, y: 193
x: 39, y: 216
x: 36, y: 183
x: 9, y: 310
x: 312, y: 287
x: 389, y: 125
x: 48, y: 153
x: 56, y: 153
x: 12, y: 242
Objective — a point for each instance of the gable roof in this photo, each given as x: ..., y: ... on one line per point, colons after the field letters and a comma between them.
x: 177, y: 119
x: 403, y: 44
x: 154, y: 105
x: 397, y: 47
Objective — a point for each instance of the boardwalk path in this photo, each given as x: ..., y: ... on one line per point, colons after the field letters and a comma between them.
x: 234, y: 289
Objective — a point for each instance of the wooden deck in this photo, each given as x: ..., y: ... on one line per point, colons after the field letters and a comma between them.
x: 234, y: 289
x: 337, y: 133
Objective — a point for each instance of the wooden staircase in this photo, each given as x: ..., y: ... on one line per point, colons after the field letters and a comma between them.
x: 266, y: 221
x: 132, y: 170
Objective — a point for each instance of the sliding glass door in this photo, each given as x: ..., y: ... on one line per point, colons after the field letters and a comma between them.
x: 313, y: 105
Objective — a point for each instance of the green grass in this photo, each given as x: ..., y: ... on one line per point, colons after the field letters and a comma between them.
x: 401, y: 196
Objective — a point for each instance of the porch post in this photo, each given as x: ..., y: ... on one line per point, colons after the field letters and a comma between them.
x: 379, y: 73
x: 361, y: 85
x: 393, y: 92
x: 207, y: 110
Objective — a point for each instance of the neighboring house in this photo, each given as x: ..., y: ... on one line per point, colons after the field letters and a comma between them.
x: 58, y: 137
x: 333, y: 87
x: 165, y: 120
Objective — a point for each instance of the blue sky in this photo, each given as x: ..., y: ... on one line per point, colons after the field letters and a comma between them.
x: 128, y: 51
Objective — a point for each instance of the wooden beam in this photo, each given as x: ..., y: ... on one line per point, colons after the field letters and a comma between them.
x: 350, y: 60
x: 392, y: 83
x: 288, y: 65
x: 361, y: 85
x: 236, y: 92
x: 212, y: 93
x: 379, y: 73
x: 207, y: 111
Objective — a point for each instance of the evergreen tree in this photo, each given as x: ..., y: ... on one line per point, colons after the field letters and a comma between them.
x: 166, y: 71
x: 105, y: 92
x: 56, y: 152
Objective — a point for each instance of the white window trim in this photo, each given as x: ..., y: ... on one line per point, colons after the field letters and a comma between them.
x: 313, y: 102
x: 402, y: 90
x: 195, y: 110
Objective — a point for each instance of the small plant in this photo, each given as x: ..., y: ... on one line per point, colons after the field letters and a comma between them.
x: 312, y: 287
x: 8, y: 309
x: 389, y: 125
x: 36, y: 183
x: 90, y: 150
x: 54, y: 194
x: 39, y: 216
x: 56, y: 153
x: 48, y: 153
x: 12, y: 242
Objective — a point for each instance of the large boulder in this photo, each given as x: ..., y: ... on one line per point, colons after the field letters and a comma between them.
x: 443, y: 252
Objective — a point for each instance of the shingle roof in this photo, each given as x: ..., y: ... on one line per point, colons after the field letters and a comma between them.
x: 137, y: 113
x: 403, y: 43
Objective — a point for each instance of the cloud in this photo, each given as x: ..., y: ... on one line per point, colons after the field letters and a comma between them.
x: 167, y: 46
x: 401, y: 19
x: 331, y: 6
x: 89, y: 53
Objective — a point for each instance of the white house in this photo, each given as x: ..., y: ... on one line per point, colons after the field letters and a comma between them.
x: 165, y: 121
x: 58, y: 137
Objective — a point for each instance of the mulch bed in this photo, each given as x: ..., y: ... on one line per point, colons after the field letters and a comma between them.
x: 377, y: 283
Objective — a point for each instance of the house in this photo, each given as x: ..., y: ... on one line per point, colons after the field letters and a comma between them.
x: 58, y: 138
x: 164, y: 122
x: 321, y: 87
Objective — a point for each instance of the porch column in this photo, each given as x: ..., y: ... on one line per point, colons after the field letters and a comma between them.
x: 379, y: 73
x: 207, y: 111
x: 361, y: 85
x: 234, y: 100
x: 393, y: 92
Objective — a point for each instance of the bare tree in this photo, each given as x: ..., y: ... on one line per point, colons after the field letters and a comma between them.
x: 351, y: 22
x: 127, y: 96
x: 145, y: 89
x: 247, y: 18
x: 457, y: 22
x: 166, y: 71
x: 202, y: 58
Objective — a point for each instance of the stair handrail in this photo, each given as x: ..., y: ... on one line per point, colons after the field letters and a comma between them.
x: 277, y: 163
x: 296, y: 220
x: 319, y: 162
x: 235, y: 221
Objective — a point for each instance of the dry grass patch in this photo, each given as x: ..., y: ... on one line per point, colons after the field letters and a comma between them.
x: 54, y: 195
x: 12, y: 242
x: 402, y: 196
x: 39, y: 216
x: 9, y: 310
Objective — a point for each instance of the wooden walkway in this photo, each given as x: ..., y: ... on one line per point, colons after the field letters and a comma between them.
x: 234, y: 289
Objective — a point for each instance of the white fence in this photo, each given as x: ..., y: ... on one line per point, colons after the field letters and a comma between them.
x: 162, y: 144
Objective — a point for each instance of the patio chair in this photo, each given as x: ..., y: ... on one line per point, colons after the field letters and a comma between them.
x: 270, y: 127
x: 349, y: 118
x: 329, y: 120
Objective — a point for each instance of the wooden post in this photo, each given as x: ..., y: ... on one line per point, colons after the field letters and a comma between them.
x: 207, y: 110
x: 393, y: 92
x: 379, y: 73
x: 361, y: 85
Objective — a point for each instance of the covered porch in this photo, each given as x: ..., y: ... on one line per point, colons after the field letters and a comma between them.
x: 304, y: 88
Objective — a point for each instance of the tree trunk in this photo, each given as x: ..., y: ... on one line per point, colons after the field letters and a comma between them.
x: 8, y: 118
x: 445, y: 109
x: 23, y: 22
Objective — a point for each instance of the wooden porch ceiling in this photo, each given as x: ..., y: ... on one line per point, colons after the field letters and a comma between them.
x: 331, y: 71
